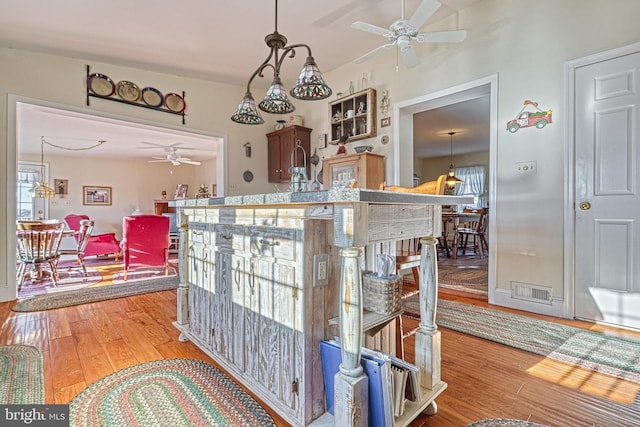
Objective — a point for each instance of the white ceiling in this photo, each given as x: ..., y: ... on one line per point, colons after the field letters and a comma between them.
x: 208, y: 39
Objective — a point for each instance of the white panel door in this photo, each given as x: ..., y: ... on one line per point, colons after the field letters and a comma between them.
x: 607, y: 211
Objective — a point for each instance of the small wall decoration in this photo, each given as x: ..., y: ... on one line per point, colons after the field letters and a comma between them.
x: 203, y: 192
x: 214, y: 190
x: 181, y: 191
x: 529, y: 115
x: 61, y: 186
x: 385, y: 103
x: 247, y: 149
x: 96, y: 195
x: 322, y: 140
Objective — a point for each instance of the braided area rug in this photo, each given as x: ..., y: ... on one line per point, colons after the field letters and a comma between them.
x: 503, y: 422
x: 21, y: 375
x: 590, y: 350
x: 96, y: 293
x: 170, y: 392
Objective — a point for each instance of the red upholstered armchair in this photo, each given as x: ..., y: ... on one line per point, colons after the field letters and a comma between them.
x: 145, y: 241
x: 99, y: 244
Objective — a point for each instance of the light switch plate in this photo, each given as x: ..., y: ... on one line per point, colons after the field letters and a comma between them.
x: 320, y: 269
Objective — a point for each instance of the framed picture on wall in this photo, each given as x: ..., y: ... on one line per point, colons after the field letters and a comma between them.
x: 181, y: 191
x: 96, y: 195
x: 61, y: 186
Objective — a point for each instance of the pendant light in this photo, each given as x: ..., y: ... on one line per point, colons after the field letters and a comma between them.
x: 452, y: 180
x: 42, y: 190
x: 309, y: 87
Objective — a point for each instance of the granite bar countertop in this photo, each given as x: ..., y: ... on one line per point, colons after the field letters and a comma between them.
x: 339, y: 195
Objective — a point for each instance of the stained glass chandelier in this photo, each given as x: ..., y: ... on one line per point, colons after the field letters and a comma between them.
x: 309, y: 87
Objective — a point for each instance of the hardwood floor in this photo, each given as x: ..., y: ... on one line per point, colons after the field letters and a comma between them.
x: 485, y: 380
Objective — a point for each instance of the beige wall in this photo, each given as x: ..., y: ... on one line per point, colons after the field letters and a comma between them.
x: 526, y: 45
x: 134, y: 184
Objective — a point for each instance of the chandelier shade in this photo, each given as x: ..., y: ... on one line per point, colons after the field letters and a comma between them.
x: 247, y: 112
x: 310, y: 85
x: 276, y: 100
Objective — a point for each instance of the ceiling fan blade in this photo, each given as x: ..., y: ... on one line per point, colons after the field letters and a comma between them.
x: 159, y: 158
x: 149, y: 145
x: 342, y: 11
x: 424, y: 11
x: 455, y: 36
x: 338, y: 13
x: 373, y: 53
x: 370, y: 28
x: 409, y: 56
x: 157, y: 161
x: 189, y: 162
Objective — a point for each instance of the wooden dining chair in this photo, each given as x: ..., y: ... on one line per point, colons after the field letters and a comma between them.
x: 475, y: 229
x: 38, y: 244
x: 82, y: 240
x: 408, y: 256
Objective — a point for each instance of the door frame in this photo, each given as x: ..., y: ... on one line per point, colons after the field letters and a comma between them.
x: 569, y: 167
x: 403, y: 152
x: 10, y: 291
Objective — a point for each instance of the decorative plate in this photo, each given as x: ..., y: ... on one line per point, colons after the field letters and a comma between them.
x: 247, y: 176
x: 101, y: 85
x: 152, y: 97
x: 174, y: 102
x: 128, y: 91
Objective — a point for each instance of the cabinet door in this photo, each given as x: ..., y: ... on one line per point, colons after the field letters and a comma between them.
x: 278, y: 343
x: 274, y: 153
x: 199, y: 294
x: 287, y: 144
x: 343, y: 175
x: 228, y: 307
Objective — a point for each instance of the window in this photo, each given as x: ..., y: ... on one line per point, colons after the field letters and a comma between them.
x: 26, y: 206
x: 474, y: 184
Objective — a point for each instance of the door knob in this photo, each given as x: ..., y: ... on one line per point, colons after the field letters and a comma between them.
x: 585, y: 206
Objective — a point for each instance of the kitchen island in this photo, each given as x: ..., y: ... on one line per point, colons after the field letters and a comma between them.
x: 262, y: 275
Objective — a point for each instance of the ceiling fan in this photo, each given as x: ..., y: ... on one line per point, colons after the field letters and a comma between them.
x: 172, y: 154
x: 174, y: 158
x: 402, y: 32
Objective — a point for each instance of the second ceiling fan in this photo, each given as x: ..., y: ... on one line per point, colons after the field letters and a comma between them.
x: 174, y: 158
x: 172, y: 154
x: 402, y: 32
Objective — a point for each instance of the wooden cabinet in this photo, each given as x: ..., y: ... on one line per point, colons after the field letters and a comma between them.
x: 353, y: 115
x: 162, y: 206
x: 364, y: 170
x: 280, y: 150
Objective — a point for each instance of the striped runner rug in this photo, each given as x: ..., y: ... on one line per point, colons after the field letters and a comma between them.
x: 598, y: 352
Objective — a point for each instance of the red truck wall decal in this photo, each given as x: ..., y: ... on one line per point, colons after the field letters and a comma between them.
x: 529, y: 115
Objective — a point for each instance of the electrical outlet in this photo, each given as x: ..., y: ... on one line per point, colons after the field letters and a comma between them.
x: 530, y: 166
x: 320, y: 269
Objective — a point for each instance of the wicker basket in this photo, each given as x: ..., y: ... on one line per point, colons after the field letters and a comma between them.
x: 381, y: 294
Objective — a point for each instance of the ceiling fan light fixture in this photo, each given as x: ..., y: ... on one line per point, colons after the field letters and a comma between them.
x: 276, y: 100
x: 309, y: 87
x: 247, y: 112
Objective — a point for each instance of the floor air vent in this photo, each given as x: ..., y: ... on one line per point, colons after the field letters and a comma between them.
x: 527, y: 292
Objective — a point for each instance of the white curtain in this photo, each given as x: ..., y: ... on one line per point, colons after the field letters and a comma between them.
x: 28, y: 176
x: 473, y: 184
